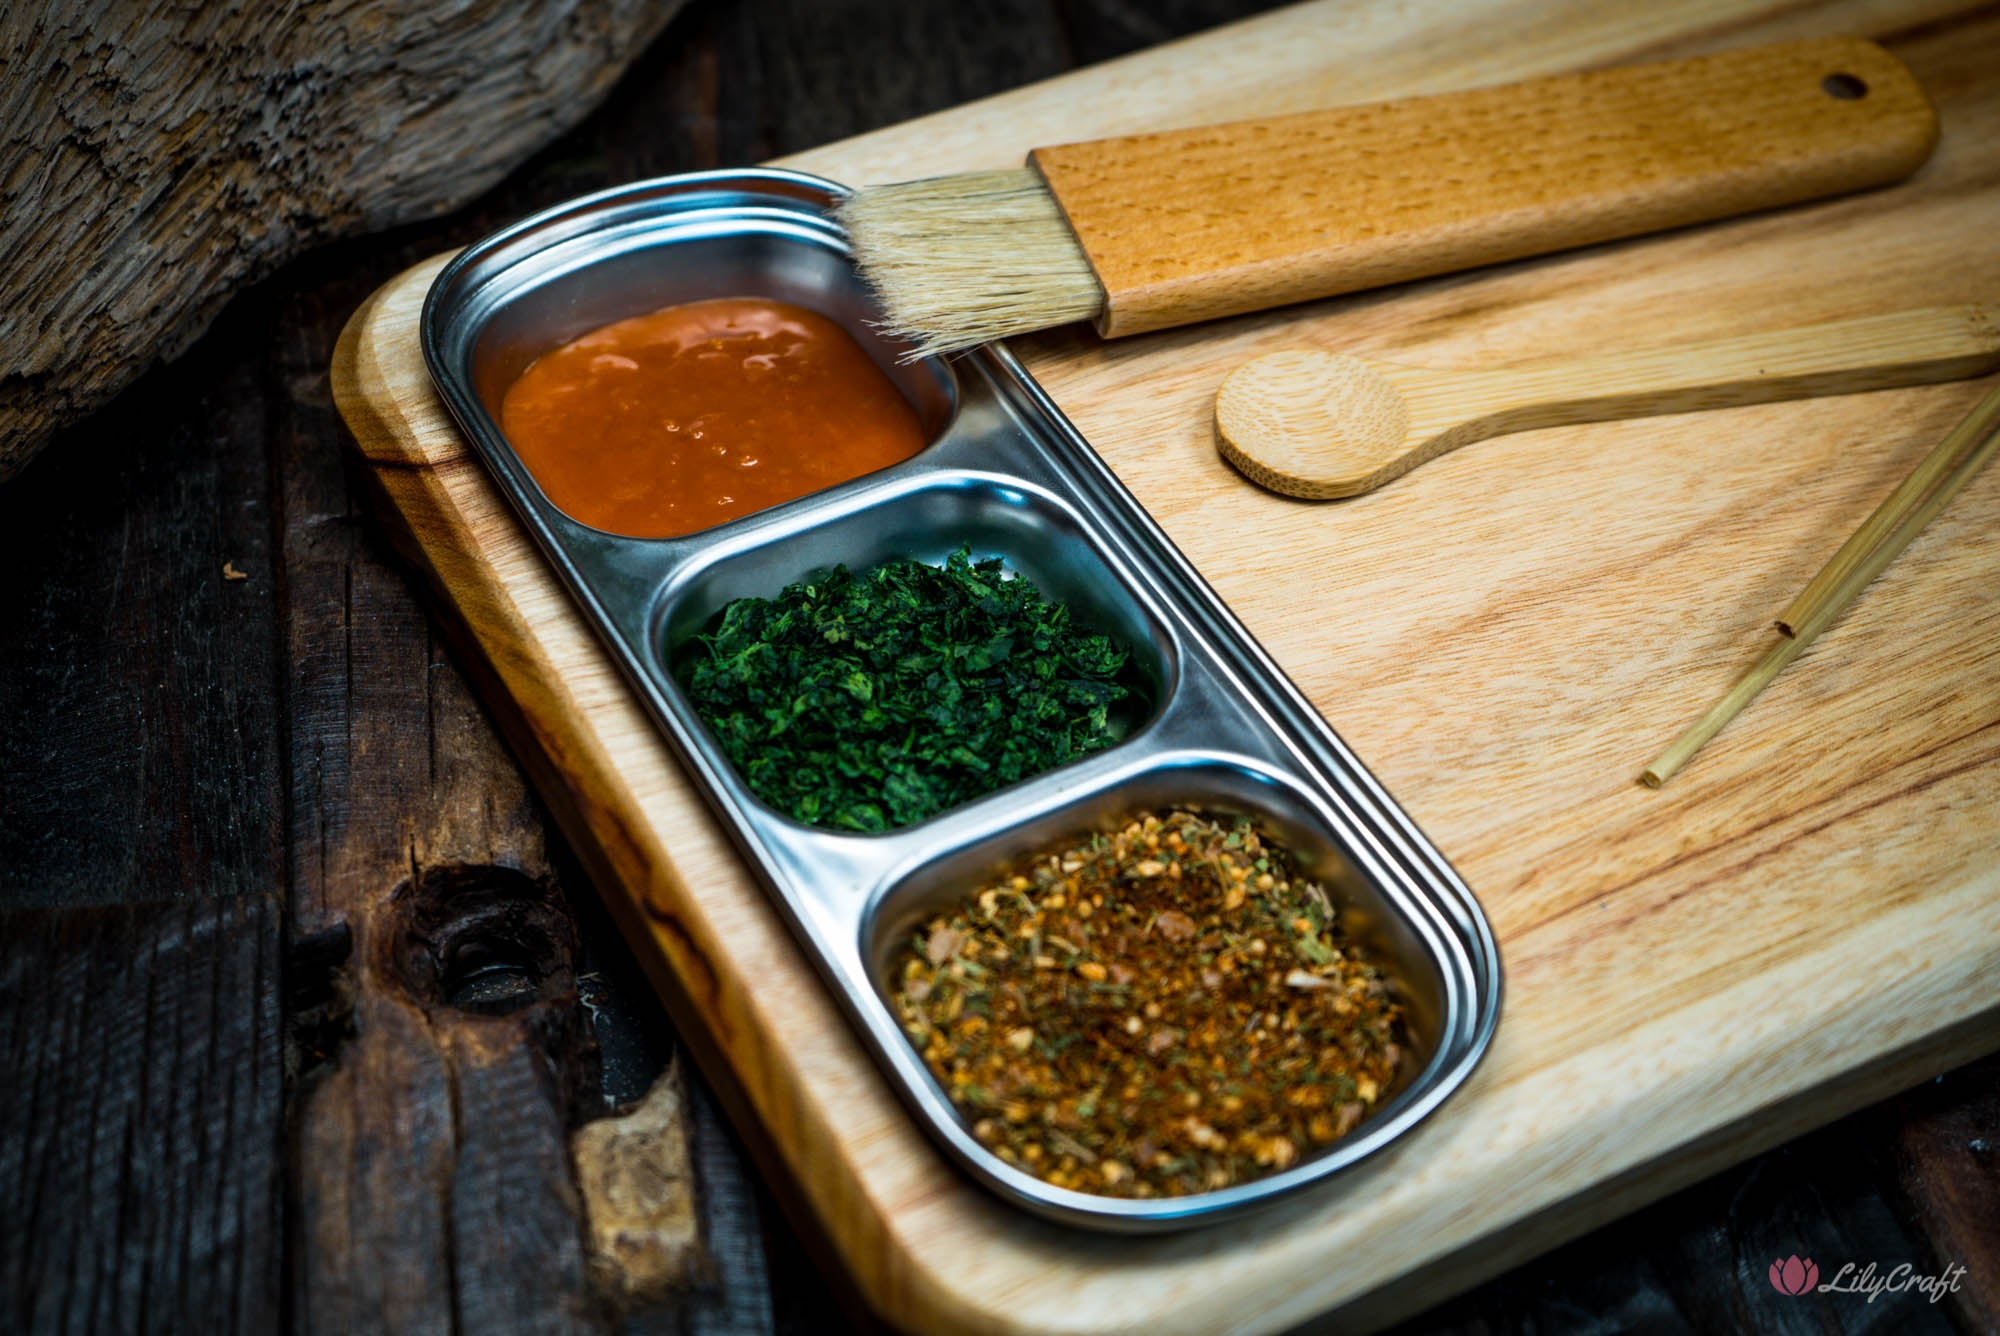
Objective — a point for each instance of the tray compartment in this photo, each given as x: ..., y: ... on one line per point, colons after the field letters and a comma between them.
x: 688, y: 265
x: 558, y: 276
x: 927, y: 518
x: 1214, y: 785
x: 1434, y: 977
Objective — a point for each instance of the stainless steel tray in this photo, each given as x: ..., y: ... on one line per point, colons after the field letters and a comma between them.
x: 1009, y: 475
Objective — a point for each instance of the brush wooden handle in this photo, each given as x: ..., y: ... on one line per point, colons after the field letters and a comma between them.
x: 1191, y: 225
x: 1318, y: 424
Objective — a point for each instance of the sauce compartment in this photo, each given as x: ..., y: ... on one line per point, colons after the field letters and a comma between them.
x: 631, y: 252
x: 1036, y: 537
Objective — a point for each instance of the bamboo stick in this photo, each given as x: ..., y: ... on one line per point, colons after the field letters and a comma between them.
x: 1984, y: 418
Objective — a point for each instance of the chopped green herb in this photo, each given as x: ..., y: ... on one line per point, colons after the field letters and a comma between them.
x: 873, y: 701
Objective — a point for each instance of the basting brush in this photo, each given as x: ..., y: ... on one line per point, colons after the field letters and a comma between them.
x: 1151, y: 231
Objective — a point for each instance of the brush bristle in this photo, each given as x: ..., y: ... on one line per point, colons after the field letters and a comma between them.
x: 960, y: 260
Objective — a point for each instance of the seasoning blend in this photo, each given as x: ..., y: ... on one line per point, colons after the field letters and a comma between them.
x: 1169, y: 1009
x: 674, y: 422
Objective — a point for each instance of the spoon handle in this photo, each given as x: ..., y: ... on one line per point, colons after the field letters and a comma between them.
x: 1876, y: 352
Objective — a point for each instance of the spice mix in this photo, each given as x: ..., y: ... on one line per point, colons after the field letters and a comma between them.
x: 1168, y: 1009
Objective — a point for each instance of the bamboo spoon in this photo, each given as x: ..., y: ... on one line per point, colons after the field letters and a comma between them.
x: 1321, y: 425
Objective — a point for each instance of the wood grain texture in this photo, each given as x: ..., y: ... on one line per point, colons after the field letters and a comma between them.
x: 1936, y: 469
x: 159, y: 157
x: 1189, y: 225
x: 1805, y: 922
x: 1702, y: 1255
x: 1319, y: 425
x: 433, y: 1177
x: 141, y: 1134
x: 142, y: 1145
x: 1971, y: 445
x: 445, y: 1053
x: 433, y: 1180
x: 1957, y: 1193
x: 141, y: 686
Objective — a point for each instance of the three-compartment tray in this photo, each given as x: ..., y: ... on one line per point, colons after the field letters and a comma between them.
x: 1007, y: 475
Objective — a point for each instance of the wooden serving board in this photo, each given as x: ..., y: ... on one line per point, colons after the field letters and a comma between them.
x: 1805, y: 920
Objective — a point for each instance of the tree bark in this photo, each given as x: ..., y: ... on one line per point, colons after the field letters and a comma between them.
x: 159, y: 156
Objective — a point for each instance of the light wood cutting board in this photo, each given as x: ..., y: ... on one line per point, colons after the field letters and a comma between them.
x: 1805, y: 920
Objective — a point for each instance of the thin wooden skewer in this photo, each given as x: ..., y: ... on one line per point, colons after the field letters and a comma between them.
x: 1847, y: 587
x: 1983, y: 419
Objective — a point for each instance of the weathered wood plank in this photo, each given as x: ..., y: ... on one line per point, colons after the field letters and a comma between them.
x: 434, y: 1184
x: 1947, y: 1159
x: 732, y: 1286
x: 140, y: 1136
x: 920, y: 59
x: 141, y: 1156
x: 140, y: 683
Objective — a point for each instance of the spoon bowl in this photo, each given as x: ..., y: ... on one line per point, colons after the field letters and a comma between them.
x: 1313, y: 424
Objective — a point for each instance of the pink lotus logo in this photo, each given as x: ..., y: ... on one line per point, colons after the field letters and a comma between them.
x: 1793, y: 1276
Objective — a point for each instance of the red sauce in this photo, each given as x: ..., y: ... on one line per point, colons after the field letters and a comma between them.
x: 673, y: 422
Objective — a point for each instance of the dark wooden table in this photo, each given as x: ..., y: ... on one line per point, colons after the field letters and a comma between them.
x: 217, y: 1118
